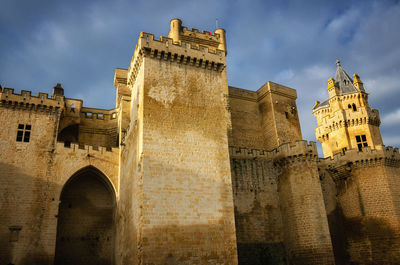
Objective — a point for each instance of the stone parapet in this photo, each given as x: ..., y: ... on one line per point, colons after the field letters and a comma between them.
x: 86, y: 148
x: 286, y: 150
x: 341, y: 164
x: 178, y: 52
x: 25, y: 100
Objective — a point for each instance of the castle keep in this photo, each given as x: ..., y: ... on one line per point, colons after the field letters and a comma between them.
x: 188, y: 170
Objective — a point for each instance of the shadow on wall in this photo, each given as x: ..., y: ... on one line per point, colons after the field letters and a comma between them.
x: 183, y: 222
x: 28, y: 217
x: 28, y: 206
x: 363, y: 240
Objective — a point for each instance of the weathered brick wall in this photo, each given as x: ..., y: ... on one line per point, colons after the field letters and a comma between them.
x: 307, y: 239
x: 264, y: 119
x: 26, y: 188
x: 364, y: 221
x: 279, y: 115
x: 188, y: 214
x: 279, y: 209
x: 32, y: 175
x: 245, y: 117
x: 129, y: 221
x: 258, y: 220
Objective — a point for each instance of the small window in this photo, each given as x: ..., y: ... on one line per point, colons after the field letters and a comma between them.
x: 287, y: 115
x: 23, y: 133
x: 361, y: 141
x: 354, y: 107
x: 72, y: 108
x: 14, y: 233
x: 349, y: 106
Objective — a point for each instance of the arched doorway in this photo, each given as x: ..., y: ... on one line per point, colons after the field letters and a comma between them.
x: 85, y: 229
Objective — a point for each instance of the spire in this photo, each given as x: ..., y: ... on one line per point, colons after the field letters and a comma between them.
x: 343, y: 80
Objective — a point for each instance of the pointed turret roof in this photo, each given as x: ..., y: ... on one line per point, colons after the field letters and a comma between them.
x: 343, y: 80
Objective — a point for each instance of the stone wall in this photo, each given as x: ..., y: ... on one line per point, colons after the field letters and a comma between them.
x: 264, y: 119
x: 279, y: 210
x: 258, y: 220
x: 130, y: 203
x: 32, y: 175
x: 363, y: 205
x: 28, y: 203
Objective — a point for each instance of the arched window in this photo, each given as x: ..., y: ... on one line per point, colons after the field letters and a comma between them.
x: 354, y: 107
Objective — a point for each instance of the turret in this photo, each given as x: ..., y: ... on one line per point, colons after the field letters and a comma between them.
x: 58, y: 90
x: 194, y: 37
x: 176, y: 27
x: 358, y: 83
x: 333, y: 89
x: 345, y: 120
x: 222, y: 39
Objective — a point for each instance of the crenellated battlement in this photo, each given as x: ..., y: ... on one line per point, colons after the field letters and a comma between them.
x: 88, y: 149
x: 286, y: 150
x: 342, y: 164
x: 387, y: 152
x: 203, y: 33
x: 177, y: 52
x: 25, y: 100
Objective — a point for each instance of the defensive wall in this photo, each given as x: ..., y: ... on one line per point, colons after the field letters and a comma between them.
x: 361, y: 193
x: 276, y: 194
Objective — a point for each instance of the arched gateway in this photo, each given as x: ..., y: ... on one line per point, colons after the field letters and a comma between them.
x: 85, y: 230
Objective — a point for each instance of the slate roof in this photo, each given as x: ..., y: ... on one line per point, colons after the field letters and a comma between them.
x: 343, y: 81
x: 323, y: 104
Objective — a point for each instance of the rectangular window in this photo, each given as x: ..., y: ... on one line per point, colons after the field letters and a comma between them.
x: 24, y: 133
x: 361, y: 141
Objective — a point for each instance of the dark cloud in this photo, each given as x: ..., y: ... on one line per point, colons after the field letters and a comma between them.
x: 296, y: 43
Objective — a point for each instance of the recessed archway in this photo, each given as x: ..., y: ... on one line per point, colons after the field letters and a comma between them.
x: 85, y: 229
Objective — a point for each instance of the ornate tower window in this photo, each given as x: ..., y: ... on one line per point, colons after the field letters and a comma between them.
x: 24, y: 133
x: 361, y: 141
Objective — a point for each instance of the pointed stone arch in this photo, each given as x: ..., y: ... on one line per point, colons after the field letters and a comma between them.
x: 86, y: 219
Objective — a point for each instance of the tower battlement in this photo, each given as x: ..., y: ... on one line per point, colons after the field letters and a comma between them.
x: 180, y: 52
x: 367, y: 153
x: 214, y: 40
x: 25, y: 99
x: 342, y: 164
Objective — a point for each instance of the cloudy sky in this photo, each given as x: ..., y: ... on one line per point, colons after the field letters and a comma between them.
x: 294, y: 43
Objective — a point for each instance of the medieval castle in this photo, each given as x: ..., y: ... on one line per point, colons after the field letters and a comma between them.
x: 188, y: 170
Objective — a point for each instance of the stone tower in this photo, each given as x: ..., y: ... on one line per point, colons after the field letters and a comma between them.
x: 359, y: 176
x: 175, y: 170
x: 345, y: 120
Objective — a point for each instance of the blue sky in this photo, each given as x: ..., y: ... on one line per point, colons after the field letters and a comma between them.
x: 294, y: 43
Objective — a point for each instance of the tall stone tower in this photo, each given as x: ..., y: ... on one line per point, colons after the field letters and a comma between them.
x: 176, y: 189
x: 359, y: 176
x: 345, y: 120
